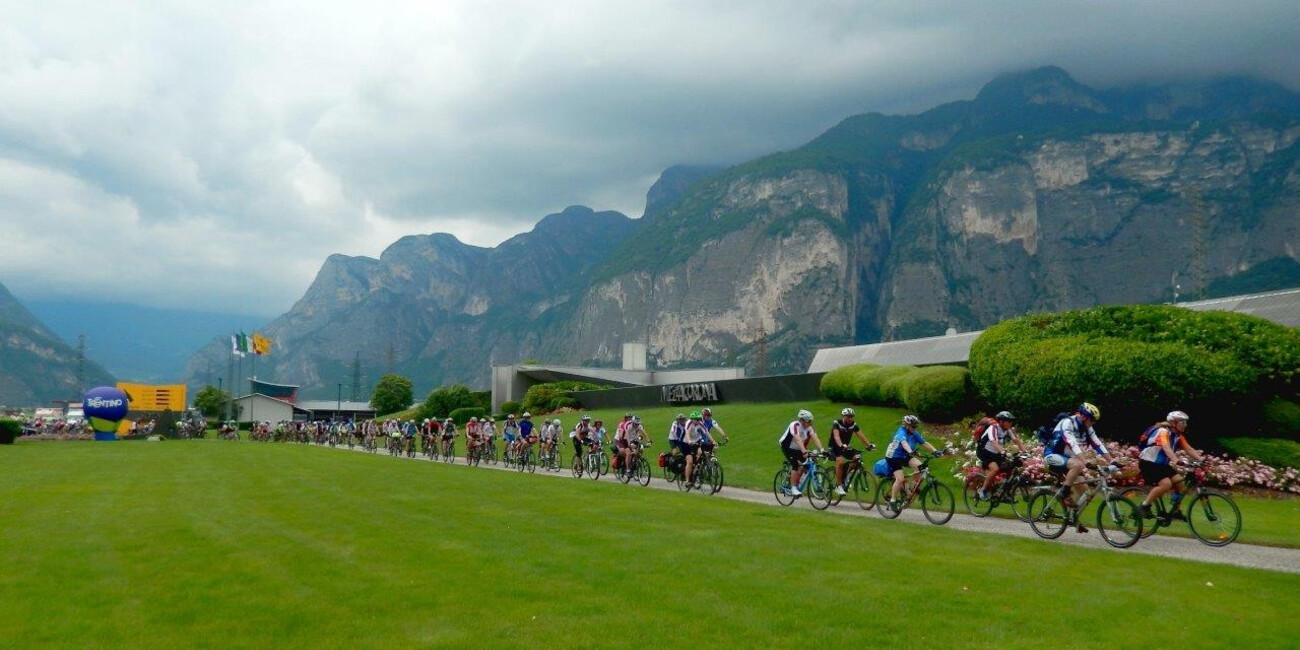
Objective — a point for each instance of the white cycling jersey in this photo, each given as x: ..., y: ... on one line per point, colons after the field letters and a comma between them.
x: 796, y: 429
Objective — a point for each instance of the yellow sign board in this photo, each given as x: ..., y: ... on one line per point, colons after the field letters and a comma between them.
x: 164, y: 397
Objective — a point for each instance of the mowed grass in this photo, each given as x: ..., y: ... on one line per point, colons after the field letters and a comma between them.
x: 223, y: 545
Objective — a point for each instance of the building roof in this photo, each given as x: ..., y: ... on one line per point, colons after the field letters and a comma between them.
x: 1281, y: 307
x: 334, y: 405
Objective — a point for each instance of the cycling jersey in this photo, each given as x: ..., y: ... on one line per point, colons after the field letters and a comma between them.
x: 597, y: 434
x: 995, y: 432
x: 845, y: 432
x: 695, y: 433
x: 797, y: 429
x: 1154, y: 453
x: 526, y: 428
x: 912, y: 438
x: 1067, y: 437
x: 676, y: 431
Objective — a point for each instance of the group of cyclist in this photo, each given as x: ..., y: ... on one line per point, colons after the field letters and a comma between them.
x: 692, y: 435
x: 1065, y: 454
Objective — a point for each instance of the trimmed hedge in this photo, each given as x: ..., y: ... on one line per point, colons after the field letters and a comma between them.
x: 1136, y: 363
x: 509, y: 407
x: 462, y: 415
x: 934, y: 393
x: 544, y: 398
x: 1282, y: 419
x: 10, y: 430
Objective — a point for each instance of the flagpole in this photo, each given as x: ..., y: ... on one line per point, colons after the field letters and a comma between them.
x: 230, y: 362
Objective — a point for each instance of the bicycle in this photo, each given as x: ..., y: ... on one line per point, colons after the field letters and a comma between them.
x: 937, y: 502
x: 638, y: 469
x: 526, y: 459
x: 1118, y: 519
x: 588, y: 462
x: 1212, y: 515
x: 1011, y: 486
x: 816, y: 484
x: 707, y: 470
x: 394, y: 446
x: 549, y: 456
x: 859, y: 481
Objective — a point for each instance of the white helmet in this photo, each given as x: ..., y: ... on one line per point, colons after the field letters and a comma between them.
x: 847, y: 412
x: 527, y: 414
x: 1176, y: 416
x: 474, y: 419
x: 912, y: 420
x: 805, y: 414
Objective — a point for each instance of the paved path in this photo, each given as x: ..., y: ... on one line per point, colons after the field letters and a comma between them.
x: 1242, y: 555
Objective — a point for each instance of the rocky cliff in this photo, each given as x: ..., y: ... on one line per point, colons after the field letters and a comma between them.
x: 1038, y: 194
x: 36, y: 366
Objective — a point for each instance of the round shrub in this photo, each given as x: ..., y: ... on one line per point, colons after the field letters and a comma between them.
x: 462, y: 415
x: 1282, y: 419
x: 939, y: 393
x: 1136, y: 363
x: 510, y: 406
x: 840, y: 384
x: 878, y: 385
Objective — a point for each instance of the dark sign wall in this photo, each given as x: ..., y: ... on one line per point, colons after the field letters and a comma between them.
x: 781, y: 388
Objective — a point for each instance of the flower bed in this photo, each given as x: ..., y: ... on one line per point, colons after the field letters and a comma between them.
x: 1216, y: 471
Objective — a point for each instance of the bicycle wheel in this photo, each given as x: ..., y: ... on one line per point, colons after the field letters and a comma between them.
x: 593, y: 466
x: 1119, y: 521
x: 577, y: 466
x: 1214, y: 518
x: 820, y: 489
x: 1047, y: 515
x: 624, y: 473
x: 604, y: 463
x: 970, y: 496
x: 641, y: 470
x: 715, y: 476
x: 1020, y: 496
x: 883, y: 490
x: 1137, y: 495
x: 530, y: 461
x: 862, y: 489
x: 781, y: 487
x: 937, y: 503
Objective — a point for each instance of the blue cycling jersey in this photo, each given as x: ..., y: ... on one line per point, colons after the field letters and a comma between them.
x: 525, y: 428
x: 912, y: 438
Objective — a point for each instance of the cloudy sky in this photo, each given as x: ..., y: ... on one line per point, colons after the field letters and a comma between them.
x: 211, y: 155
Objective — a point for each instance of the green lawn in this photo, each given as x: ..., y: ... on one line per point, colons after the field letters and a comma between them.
x: 208, y: 544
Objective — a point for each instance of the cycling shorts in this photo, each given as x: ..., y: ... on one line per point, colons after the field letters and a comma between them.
x: 793, y: 455
x: 847, y: 453
x: 1153, y: 473
x: 985, y: 457
x: 621, y: 444
x: 896, y: 464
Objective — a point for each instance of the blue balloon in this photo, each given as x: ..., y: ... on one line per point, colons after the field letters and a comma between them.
x: 106, y: 403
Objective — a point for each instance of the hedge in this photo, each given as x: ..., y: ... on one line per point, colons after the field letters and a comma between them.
x: 544, y: 398
x: 462, y: 415
x: 511, y: 406
x: 1136, y: 363
x: 935, y: 393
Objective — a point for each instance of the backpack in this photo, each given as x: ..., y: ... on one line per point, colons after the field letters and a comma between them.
x: 1144, y: 440
x: 881, y: 468
x: 1046, y: 434
x: 977, y: 431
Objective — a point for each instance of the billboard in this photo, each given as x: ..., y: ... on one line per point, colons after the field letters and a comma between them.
x: 163, y: 397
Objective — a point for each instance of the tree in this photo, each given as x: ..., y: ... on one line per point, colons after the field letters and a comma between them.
x: 393, y: 393
x: 212, y: 402
x: 445, y: 399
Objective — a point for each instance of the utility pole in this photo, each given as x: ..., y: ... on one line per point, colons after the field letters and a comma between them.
x: 760, y: 351
x: 81, y: 365
x: 392, y: 357
x: 356, y: 377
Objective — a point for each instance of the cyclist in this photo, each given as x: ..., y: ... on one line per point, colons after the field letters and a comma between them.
x: 694, y: 436
x: 1156, y: 460
x: 901, y: 453
x: 526, y: 435
x: 472, y: 430
x: 551, y: 431
x: 581, y: 435
x: 622, y: 424
x: 843, y: 431
x: 626, y: 436
x: 598, y: 432
x: 510, y: 431
x: 1065, y: 450
x: 710, y: 424
x: 448, y: 431
x: 992, y: 448
x: 408, y: 432
x: 794, y: 445
x: 675, y: 432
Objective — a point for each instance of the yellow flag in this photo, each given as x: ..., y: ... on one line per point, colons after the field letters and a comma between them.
x: 261, y: 344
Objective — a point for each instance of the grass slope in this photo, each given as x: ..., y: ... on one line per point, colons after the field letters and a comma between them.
x: 205, y: 544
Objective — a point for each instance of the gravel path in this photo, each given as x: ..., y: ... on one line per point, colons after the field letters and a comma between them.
x: 1285, y: 560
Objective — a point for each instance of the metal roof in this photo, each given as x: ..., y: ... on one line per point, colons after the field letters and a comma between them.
x: 334, y: 405
x: 1281, y: 307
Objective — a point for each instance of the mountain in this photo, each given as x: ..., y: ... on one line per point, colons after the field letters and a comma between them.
x: 137, y: 343
x: 35, y: 365
x: 441, y: 309
x: 1040, y: 193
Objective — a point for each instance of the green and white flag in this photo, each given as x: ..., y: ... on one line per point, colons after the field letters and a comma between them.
x: 240, y: 345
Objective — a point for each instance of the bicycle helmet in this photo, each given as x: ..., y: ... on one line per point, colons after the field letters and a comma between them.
x: 527, y: 415
x: 585, y: 417
x: 847, y: 412
x: 706, y: 411
x: 474, y: 419
x: 510, y: 417
x: 695, y: 415
x: 1089, y: 410
x: 681, y: 416
x: 912, y: 420
x: 1177, y: 416
x: 556, y: 422
x: 1005, y: 415
x: 805, y: 414
x: 636, y: 419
